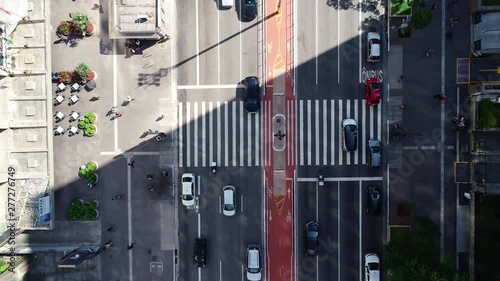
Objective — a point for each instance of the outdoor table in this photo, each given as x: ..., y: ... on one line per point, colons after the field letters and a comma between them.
x: 59, y: 116
x: 59, y: 99
x: 74, y: 116
x: 75, y: 87
x: 58, y: 130
x: 73, y: 130
x: 74, y: 99
x: 61, y: 87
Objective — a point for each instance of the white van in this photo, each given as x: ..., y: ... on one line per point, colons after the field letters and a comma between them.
x: 253, y: 262
x: 226, y: 3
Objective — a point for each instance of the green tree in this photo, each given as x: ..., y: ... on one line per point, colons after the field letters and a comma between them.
x: 421, y: 18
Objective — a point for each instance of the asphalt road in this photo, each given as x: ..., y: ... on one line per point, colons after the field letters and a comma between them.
x: 330, y: 59
x: 218, y: 51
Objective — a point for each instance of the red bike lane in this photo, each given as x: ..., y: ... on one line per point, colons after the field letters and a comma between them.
x: 279, y: 168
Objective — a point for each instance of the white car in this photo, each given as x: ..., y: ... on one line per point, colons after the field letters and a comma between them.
x: 188, y: 183
x: 253, y: 263
x: 229, y: 201
x: 372, y: 267
x: 373, y: 51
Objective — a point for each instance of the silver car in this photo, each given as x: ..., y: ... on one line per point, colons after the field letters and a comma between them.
x: 374, y: 153
x: 373, y: 51
x: 229, y: 201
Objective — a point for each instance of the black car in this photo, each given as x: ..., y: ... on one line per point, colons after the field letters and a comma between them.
x: 311, y: 239
x: 200, y: 252
x: 252, y: 94
x: 373, y: 200
x: 249, y: 9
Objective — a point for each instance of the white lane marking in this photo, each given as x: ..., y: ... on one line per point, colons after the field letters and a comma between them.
x: 257, y: 142
x: 233, y: 104
x: 219, y: 160
x: 316, y: 40
x: 379, y: 121
x: 426, y: 147
x: 267, y: 148
x: 181, y: 125
x: 199, y: 270
x: 210, y: 133
x: 342, y: 179
x: 288, y: 132
x: 301, y: 131
x: 199, y: 185
x: 261, y: 137
x: 309, y: 117
x: 242, y: 137
x: 338, y: 231
x: 340, y: 134
x: 115, y: 95
x: 348, y: 115
x: 195, y: 139
x: 220, y: 205
x: 242, y: 273
x: 197, y: 46
x: 371, y: 122
x: 332, y: 129
x: 249, y: 140
x: 220, y: 270
x: 338, y: 49
x: 325, y: 133
x: 363, y: 136
x: 316, y: 123
x: 241, y: 53
x: 360, y: 233
x: 129, y: 214
x: 203, y: 134
x: 317, y: 201
x: 188, y: 134
x: 241, y: 202
x: 356, y: 102
x: 219, y: 61
x: 226, y: 134
x: 360, y: 33
x: 208, y: 87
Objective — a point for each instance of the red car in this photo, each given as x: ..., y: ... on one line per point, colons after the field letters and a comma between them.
x: 372, y: 91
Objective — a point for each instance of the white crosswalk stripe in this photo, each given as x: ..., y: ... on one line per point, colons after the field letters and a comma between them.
x: 219, y: 131
x: 320, y: 122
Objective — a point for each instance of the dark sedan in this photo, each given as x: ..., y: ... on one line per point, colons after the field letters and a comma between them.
x: 311, y: 239
x: 252, y: 94
x: 373, y: 200
x: 200, y: 252
x: 249, y: 9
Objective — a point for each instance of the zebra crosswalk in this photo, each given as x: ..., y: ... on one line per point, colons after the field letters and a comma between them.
x: 320, y: 133
x: 223, y: 132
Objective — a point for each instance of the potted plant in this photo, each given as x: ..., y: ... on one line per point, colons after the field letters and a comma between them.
x: 79, y: 23
x: 92, y: 178
x: 77, y: 210
x: 65, y: 76
x: 92, y: 214
x: 90, y: 130
x: 64, y: 28
x: 90, y: 118
x: 81, y: 124
x: 91, y: 75
x: 81, y: 72
x: 94, y: 204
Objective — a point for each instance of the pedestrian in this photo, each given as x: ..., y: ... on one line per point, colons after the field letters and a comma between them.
x: 108, y: 245
x: 111, y: 228
x: 129, y: 247
x: 401, y: 78
x: 114, y: 109
x: 433, y: 7
x: 152, y: 188
x: 454, y: 20
x: 131, y: 163
x: 403, y: 106
x: 129, y: 99
x: 439, y: 96
x: 467, y: 195
x: 396, y: 126
x: 165, y: 174
x: 150, y: 177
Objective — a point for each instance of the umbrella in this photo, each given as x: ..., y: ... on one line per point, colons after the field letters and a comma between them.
x: 91, y: 85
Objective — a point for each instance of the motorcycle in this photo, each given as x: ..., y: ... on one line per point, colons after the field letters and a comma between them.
x: 321, y: 179
x: 213, y: 167
x: 459, y: 123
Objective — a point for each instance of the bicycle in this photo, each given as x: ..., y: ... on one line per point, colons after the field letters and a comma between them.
x: 428, y: 52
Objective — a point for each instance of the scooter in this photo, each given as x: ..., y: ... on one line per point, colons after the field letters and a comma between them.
x: 213, y: 167
x: 321, y: 179
x: 117, y: 196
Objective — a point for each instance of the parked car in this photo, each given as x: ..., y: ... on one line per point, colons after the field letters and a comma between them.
x: 372, y: 91
x: 311, y: 239
x: 253, y: 263
x: 200, y: 252
x: 373, y: 51
x: 349, y: 134
x: 374, y: 153
x: 373, y: 200
x: 249, y: 9
x: 252, y: 94
x: 372, y: 267
x: 188, y: 183
x: 229, y: 201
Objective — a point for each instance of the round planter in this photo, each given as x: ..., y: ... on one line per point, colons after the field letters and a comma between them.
x: 96, y: 178
x: 96, y: 165
x: 93, y: 76
x: 90, y: 32
x: 81, y: 200
x: 97, y: 214
x: 96, y: 203
x: 95, y: 116
x: 95, y: 130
